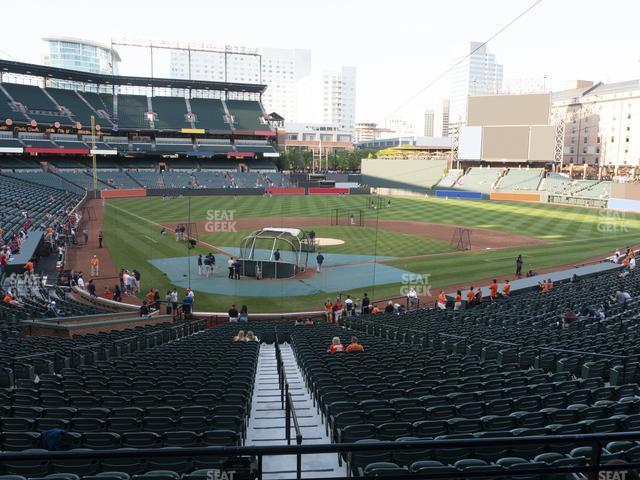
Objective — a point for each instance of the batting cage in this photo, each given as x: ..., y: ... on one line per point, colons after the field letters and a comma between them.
x: 347, y: 216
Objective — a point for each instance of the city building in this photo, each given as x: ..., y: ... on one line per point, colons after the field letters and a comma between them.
x: 286, y: 72
x: 320, y: 138
x: 600, y: 123
x: 368, y: 131
x: 477, y: 74
x: 400, y: 127
x: 441, y: 119
x: 339, y: 97
x: 82, y: 55
x: 428, y: 126
x: 411, y: 144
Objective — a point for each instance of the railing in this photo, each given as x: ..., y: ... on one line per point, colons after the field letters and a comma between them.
x: 593, y: 465
x: 287, y: 405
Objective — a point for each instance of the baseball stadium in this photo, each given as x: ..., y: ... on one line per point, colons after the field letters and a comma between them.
x: 175, y: 304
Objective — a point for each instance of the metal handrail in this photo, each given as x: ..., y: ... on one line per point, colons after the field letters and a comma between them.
x: 287, y: 405
x: 594, y: 440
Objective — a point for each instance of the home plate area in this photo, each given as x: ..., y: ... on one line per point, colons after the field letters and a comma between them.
x: 340, y: 272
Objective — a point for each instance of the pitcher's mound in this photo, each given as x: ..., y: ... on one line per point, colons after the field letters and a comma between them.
x: 328, y: 242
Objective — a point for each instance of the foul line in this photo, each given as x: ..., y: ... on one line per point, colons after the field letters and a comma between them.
x: 199, y: 242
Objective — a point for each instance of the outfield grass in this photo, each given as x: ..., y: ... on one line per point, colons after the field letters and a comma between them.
x: 572, y: 233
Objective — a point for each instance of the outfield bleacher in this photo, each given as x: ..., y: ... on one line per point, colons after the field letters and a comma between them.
x: 450, y: 179
x: 478, y: 179
x: 520, y: 179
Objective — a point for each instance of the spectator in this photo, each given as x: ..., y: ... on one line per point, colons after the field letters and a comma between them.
x: 100, y: 238
x: 244, y: 317
x: 233, y: 314
x: 167, y: 299
x: 80, y: 281
x: 328, y: 310
x: 354, y: 346
x: 470, y: 297
x: 622, y: 297
x: 187, y: 305
x: 117, y: 293
x: 8, y: 298
x: 52, y: 310
x: 107, y: 294
x: 144, y: 309
x: 366, y: 302
x: 493, y: 289
x: 568, y: 317
x: 91, y: 288
x: 337, y: 310
x: 441, y: 301
x: 506, y: 289
x: 174, y: 299
x: 239, y: 337
x: 336, y: 346
x: 375, y: 310
x: 251, y: 337
x: 389, y: 308
x: 457, y: 301
x: 95, y: 266
x: 348, y: 304
x: 413, y: 297
x: 276, y: 255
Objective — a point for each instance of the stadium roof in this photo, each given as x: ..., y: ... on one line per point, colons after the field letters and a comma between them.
x: 8, y: 66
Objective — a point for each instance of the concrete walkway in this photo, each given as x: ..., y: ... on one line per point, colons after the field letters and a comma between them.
x: 267, y: 422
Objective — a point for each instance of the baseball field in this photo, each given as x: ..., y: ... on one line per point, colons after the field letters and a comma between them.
x: 408, y: 240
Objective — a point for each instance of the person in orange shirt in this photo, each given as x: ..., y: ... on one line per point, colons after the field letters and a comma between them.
x: 506, y: 289
x: 470, y: 296
x: 493, y: 289
x: 150, y: 296
x: 626, y: 261
x: 549, y: 284
x: 328, y: 310
x: 457, y: 302
x: 95, y: 266
x: 442, y: 301
x: 107, y: 293
x: 8, y: 298
x: 375, y: 309
x: 28, y: 268
x: 354, y: 346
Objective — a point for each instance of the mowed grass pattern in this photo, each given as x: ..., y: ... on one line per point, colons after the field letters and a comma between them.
x: 573, y: 234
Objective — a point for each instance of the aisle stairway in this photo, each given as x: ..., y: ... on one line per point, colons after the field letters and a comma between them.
x: 267, y: 422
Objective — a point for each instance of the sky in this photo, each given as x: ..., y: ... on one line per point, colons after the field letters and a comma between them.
x: 397, y: 46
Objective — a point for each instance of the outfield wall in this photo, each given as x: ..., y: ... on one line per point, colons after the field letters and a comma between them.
x: 460, y: 194
x: 516, y: 197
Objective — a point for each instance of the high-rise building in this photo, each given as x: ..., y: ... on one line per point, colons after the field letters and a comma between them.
x: 286, y: 72
x: 441, y: 119
x: 602, y: 122
x: 82, y: 55
x: 477, y: 74
x: 429, y: 117
x: 400, y: 127
x: 339, y: 97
